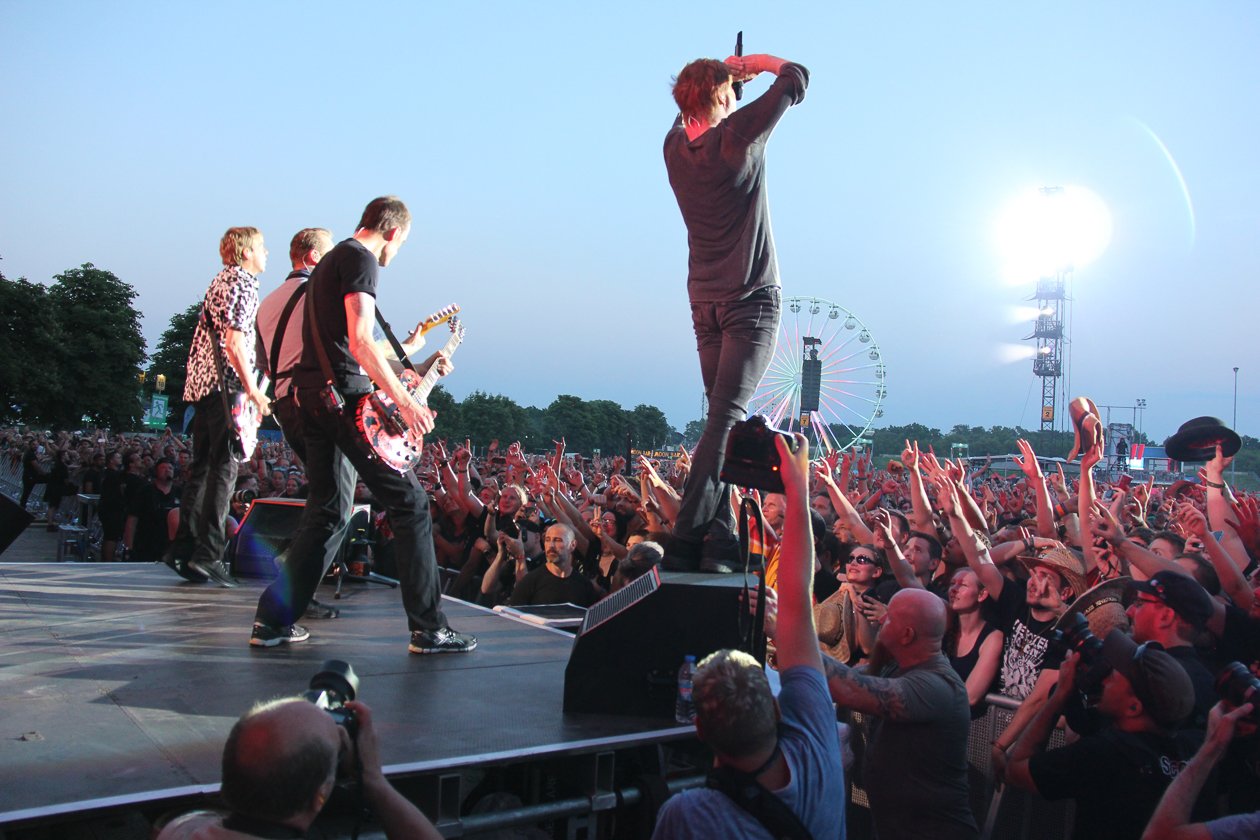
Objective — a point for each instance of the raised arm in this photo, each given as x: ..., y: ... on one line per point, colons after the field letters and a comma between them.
x: 1037, y: 481
x: 796, y: 638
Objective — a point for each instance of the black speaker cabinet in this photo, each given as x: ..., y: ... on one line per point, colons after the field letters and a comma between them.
x: 626, y: 656
x: 266, y: 532
x: 13, y: 521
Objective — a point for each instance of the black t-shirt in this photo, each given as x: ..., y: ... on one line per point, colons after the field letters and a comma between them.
x: 150, y: 507
x: 1024, y: 652
x: 347, y: 269
x: 1117, y: 779
x: 542, y: 587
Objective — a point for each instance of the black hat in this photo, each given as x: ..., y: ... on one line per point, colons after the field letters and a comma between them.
x: 1180, y: 593
x: 1196, y: 440
x: 1157, y: 679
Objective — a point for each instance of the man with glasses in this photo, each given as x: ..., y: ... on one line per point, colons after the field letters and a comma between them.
x: 1118, y: 774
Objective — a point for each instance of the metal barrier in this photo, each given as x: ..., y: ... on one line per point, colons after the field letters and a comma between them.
x: 1019, y: 815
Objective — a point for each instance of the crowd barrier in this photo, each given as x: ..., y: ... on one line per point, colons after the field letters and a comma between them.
x: 1002, y: 812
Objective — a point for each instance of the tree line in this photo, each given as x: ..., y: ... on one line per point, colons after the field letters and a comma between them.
x: 72, y: 355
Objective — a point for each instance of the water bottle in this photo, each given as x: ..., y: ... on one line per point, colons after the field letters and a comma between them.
x: 685, y: 707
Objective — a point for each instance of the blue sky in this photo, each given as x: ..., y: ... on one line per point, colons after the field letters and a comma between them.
x: 526, y: 139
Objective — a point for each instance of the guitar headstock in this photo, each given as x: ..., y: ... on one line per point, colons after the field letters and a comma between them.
x: 443, y: 315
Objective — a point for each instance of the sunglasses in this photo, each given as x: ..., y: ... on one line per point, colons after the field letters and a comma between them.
x: 862, y: 560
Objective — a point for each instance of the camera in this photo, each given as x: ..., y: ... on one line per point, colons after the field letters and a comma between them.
x: 1236, y: 685
x: 329, y: 690
x: 1076, y: 636
x: 244, y: 497
x: 751, y: 457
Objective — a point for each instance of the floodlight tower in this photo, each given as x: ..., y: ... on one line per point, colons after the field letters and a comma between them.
x: 1049, y: 335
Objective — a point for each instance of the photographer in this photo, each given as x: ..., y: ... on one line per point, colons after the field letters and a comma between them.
x: 280, y: 764
x: 1117, y: 775
x: 1171, y: 820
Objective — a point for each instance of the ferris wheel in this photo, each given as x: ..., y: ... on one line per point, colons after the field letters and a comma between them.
x: 827, y: 377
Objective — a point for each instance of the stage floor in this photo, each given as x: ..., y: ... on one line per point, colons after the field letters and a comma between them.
x: 119, y: 683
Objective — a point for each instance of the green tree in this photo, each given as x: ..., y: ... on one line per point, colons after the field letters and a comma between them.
x: 649, y: 427
x: 170, y: 358
x: 30, y: 353
x: 692, y: 431
x: 447, y: 423
x: 486, y: 417
x: 104, y: 350
x: 567, y: 417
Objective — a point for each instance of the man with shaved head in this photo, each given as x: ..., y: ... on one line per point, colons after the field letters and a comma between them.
x: 279, y: 766
x: 915, y: 769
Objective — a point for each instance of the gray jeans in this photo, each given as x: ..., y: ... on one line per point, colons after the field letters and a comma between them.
x: 736, y: 343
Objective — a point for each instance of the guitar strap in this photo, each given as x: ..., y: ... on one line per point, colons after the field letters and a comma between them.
x: 324, y: 363
x: 282, y: 327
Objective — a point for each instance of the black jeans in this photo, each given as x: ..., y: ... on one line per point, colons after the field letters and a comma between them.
x: 334, y: 450
x: 736, y: 343
x: 289, y: 416
x: 204, y: 505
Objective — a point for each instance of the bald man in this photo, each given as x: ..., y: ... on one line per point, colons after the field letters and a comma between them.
x: 279, y: 767
x: 915, y: 771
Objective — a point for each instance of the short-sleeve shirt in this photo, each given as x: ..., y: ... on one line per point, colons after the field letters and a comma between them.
x: 1116, y: 778
x: 926, y: 797
x: 231, y: 302
x: 542, y: 587
x: 815, y: 792
x: 269, y: 312
x: 719, y: 180
x: 349, y: 268
x: 1027, y: 640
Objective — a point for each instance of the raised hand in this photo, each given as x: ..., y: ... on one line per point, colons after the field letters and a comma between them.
x: 1028, y: 463
x: 910, y: 456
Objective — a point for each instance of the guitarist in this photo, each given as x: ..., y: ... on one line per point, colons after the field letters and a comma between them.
x: 227, y: 329
x: 337, y: 334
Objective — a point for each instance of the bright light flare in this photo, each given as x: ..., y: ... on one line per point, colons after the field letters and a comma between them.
x: 1010, y: 353
x: 1049, y: 230
x: 1021, y: 314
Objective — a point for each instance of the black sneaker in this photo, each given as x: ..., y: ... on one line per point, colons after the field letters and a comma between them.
x: 317, y: 610
x: 215, y: 572
x: 265, y: 635
x: 442, y: 640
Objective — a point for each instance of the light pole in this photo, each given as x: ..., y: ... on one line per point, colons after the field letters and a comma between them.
x: 1233, y: 469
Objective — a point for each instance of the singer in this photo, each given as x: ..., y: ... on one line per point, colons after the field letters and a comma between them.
x: 715, y: 156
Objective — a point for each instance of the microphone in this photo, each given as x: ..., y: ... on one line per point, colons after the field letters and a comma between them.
x: 738, y: 87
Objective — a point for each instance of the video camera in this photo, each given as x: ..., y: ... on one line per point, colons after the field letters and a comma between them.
x: 751, y: 457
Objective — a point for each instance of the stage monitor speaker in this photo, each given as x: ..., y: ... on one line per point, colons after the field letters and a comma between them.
x: 266, y: 532
x: 13, y: 521
x: 626, y: 656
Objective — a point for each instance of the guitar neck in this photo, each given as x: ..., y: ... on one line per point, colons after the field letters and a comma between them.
x: 431, y: 376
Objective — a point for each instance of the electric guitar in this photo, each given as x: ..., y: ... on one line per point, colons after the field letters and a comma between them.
x: 379, y: 420
x: 245, y: 421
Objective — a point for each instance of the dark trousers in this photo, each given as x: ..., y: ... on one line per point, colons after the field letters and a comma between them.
x: 327, y: 436
x: 28, y: 485
x: 207, y: 498
x: 289, y: 416
x: 736, y: 343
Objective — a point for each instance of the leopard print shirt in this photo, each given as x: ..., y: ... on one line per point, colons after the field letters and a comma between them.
x: 231, y: 302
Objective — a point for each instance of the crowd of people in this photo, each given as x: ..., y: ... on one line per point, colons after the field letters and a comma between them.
x: 1166, y: 578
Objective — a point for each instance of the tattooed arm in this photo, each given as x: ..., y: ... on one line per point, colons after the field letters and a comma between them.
x: 851, y: 688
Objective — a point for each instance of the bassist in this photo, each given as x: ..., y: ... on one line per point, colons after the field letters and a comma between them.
x: 221, y: 362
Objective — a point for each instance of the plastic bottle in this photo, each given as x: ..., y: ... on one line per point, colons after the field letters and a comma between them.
x: 685, y: 707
